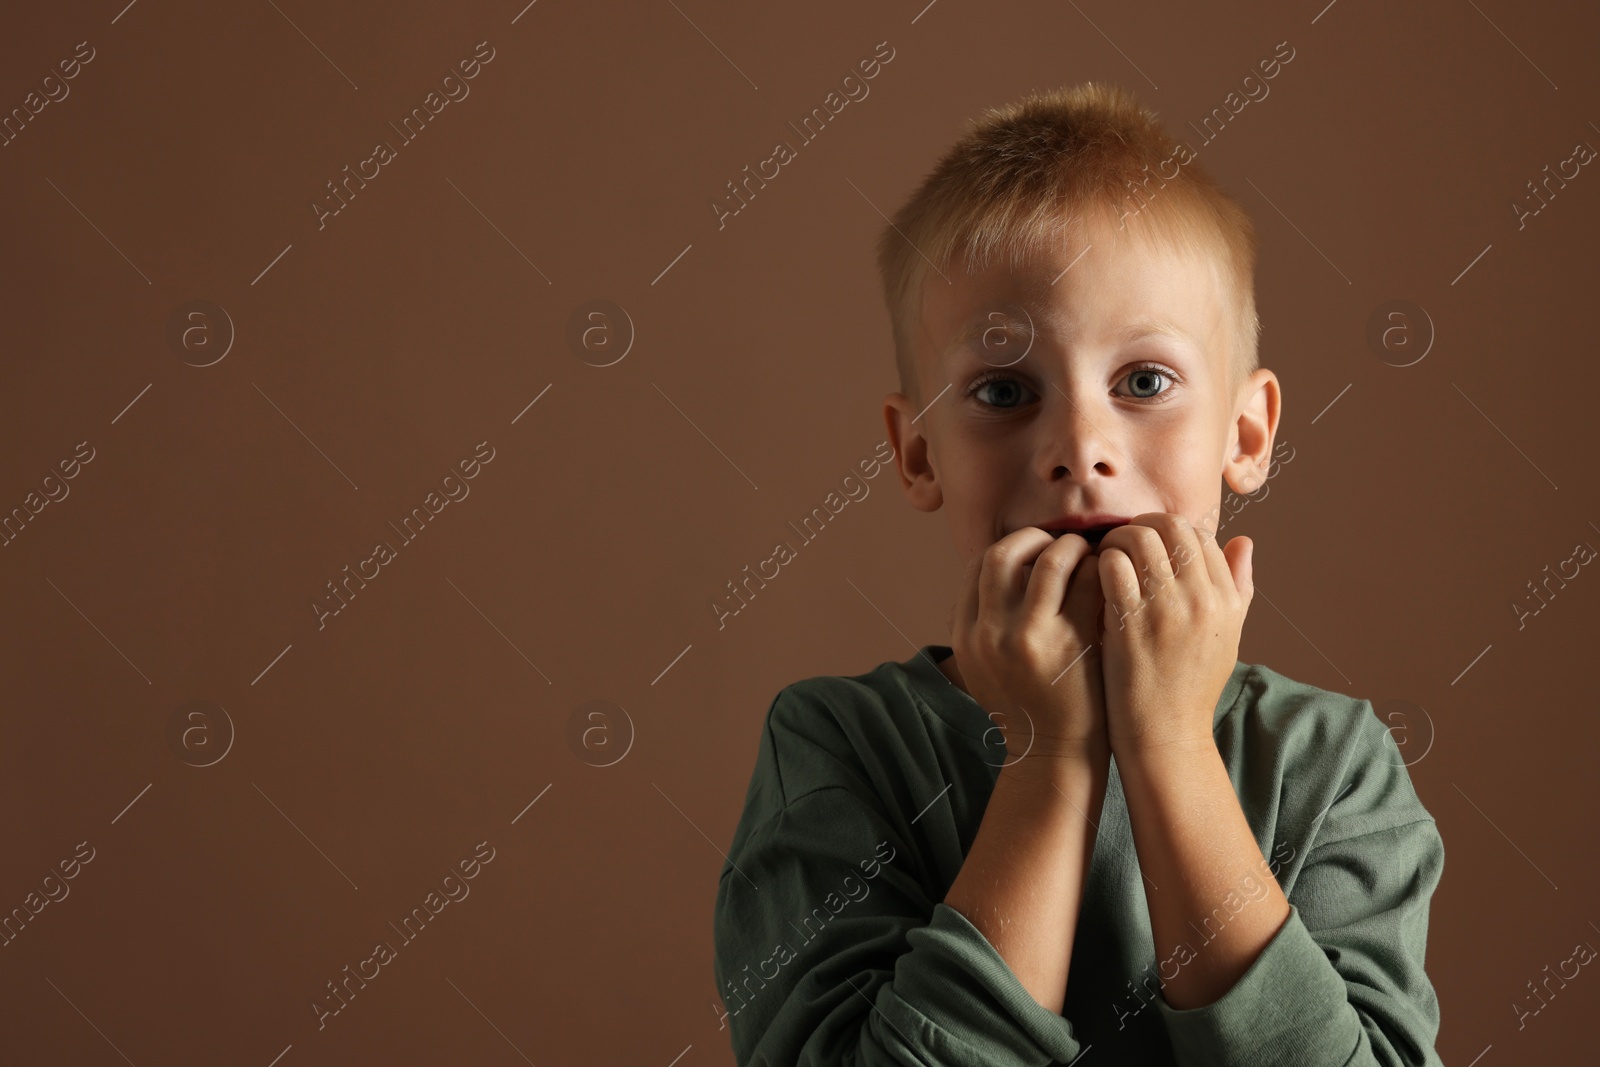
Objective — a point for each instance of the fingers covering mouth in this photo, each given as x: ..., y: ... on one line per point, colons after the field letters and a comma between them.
x: 1093, y: 534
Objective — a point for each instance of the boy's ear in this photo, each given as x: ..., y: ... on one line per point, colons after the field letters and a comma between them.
x: 917, y: 476
x: 1255, y: 424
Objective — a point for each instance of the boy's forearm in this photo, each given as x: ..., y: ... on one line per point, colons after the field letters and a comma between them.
x: 1216, y: 893
x: 1022, y: 881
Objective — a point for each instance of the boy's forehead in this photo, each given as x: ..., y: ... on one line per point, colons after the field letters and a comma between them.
x: 1131, y: 290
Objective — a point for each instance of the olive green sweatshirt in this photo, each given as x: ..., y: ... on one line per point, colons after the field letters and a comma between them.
x: 833, y: 944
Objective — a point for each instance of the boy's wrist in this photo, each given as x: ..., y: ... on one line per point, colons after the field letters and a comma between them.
x: 1158, y: 757
x: 1053, y: 760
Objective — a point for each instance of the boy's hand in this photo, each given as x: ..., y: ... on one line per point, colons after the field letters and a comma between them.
x: 1175, y: 605
x: 1027, y: 643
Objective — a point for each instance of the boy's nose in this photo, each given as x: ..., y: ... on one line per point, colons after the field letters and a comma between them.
x: 1078, y: 447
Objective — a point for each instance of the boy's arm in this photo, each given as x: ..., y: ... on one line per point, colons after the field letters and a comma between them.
x: 1022, y: 882
x: 1339, y: 979
x: 890, y: 975
x: 1334, y: 976
x: 1198, y: 851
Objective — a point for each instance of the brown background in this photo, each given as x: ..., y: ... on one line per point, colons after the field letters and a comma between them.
x: 370, y: 756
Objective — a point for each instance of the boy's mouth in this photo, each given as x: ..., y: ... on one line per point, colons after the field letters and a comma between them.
x: 1091, y: 535
x: 1092, y: 527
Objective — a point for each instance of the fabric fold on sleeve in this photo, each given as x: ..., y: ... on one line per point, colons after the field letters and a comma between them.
x: 1342, y: 983
x: 960, y: 980
x: 1288, y: 1009
x: 829, y: 950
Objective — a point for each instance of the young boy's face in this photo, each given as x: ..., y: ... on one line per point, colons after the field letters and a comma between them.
x: 1093, y: 423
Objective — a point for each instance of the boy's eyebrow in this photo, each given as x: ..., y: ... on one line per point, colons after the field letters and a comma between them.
x: 1037, y: 319
x: 1147, y: 327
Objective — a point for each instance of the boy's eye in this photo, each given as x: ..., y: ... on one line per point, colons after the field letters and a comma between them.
x: 1146, y: 382
x: 1149, y: 383
x: 1004, y: 392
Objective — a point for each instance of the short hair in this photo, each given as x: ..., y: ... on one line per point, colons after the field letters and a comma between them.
x: 1021, y: 174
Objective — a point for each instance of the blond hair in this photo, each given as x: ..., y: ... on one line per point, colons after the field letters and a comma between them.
x: 1013, y: 183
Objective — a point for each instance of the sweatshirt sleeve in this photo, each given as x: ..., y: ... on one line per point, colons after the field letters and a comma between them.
x: 830, y: 951
x: 1342, y: 983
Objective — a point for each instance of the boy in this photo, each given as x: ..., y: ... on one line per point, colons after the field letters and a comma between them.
x: 1084, y: 824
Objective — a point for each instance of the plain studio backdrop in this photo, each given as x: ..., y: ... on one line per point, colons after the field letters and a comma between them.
x: 288, y: 282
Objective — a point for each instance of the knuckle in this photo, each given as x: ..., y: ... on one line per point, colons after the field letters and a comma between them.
x: 1055, y: 562
x: 997, y: 553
